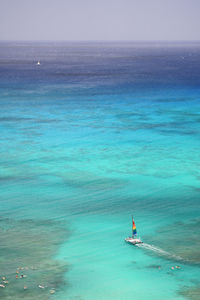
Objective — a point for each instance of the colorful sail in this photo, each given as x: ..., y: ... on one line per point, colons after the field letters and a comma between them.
x: 134, y: 228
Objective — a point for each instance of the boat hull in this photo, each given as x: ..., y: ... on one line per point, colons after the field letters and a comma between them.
x: 133, y: 241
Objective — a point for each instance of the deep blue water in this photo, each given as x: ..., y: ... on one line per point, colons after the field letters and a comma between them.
x: 95, y: 134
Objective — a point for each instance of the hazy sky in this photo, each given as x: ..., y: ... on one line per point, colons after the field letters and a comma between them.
x: 99, y: 19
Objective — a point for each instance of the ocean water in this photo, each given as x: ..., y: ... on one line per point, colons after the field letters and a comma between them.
x: 95, y: 134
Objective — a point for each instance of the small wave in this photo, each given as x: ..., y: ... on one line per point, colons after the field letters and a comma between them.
x: 159, y: 251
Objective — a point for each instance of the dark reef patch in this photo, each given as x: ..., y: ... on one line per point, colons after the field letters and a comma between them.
x: 179, y: 132
x: 177, y: 99
x: 172, y: 238
x: 192, y: 293
x: 28, y: 267
x: 7, y: 178
x: 14, y: 119
x: 28, y: 119
x: 153, y: 266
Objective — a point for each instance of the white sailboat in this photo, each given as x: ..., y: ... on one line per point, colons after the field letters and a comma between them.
x: 133, y: 240
x: 38, y: 63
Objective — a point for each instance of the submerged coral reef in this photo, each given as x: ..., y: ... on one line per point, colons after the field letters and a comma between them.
x: 192, y: 293
x: 27, y: 258
x: 180, y: 239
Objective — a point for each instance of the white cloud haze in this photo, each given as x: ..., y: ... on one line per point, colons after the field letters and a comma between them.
x: 99, y: 19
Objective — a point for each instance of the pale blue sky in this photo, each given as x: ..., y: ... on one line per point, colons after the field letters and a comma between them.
x: 99, y: 20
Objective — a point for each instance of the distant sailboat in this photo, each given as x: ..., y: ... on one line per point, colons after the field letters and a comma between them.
x: 133, y: 240
x: 38, y: 63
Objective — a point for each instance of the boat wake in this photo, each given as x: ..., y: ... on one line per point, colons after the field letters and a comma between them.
x: 152, y: 248
x: 159, y: 251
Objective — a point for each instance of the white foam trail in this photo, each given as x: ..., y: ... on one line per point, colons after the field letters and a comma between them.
x: 159, y: 251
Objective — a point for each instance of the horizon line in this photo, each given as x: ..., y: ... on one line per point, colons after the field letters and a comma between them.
x: 103, y: 41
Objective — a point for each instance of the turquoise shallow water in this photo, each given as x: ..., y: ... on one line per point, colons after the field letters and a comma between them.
x: 98, y: 133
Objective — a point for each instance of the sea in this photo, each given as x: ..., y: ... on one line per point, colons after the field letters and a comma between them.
x: 98, y: 133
